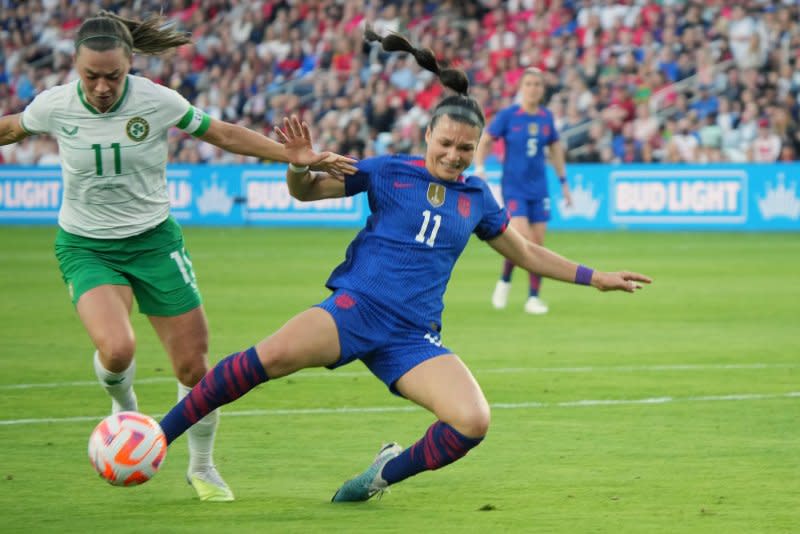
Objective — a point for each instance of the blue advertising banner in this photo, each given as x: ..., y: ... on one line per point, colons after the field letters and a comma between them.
x: 605, y: 197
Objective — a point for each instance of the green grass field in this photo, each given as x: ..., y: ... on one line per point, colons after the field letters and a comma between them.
x: 675, y: 410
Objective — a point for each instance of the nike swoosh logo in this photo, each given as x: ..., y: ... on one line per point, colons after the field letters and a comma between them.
x: 114, y: 382
x: 402, y: 185
x: 516, y: 128
x: 71, y: 132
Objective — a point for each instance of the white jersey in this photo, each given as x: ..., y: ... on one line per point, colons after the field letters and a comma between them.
x: 113, y: 163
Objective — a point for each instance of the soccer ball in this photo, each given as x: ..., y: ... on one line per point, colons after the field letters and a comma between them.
x: 127, y: 448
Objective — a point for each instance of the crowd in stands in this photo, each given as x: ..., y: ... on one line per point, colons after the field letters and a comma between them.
x: 627, y: 80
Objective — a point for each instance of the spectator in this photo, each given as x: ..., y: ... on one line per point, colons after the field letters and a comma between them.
x: 682, y: 147
x: 705, y: 103
x: 766, y: 147
x: 644, y: 126
x: 710, y: 135
x: 253, y: 52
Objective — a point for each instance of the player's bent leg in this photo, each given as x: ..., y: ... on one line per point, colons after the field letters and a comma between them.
x: 461, y: 404
x: 309, y: 339
x: 105, y: 313
x: 463, y: 420
x: 185, y: 337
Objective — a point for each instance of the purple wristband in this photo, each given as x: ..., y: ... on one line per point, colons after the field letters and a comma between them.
x: 583, y: 275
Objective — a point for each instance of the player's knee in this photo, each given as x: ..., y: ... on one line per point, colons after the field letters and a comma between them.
x: 473, y: 422
x: 190, y: 373
x: 278, y: 357
x: 191, y: 365
x: 116, y: 354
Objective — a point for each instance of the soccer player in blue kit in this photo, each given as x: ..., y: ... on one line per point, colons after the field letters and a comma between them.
x: 526, y: 128
x: 386, y: 302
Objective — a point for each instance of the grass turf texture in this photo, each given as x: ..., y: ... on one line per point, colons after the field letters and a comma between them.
x: 673, y: 410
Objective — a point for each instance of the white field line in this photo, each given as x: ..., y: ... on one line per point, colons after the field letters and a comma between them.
x: 506, y: 370
x: 400, y: 409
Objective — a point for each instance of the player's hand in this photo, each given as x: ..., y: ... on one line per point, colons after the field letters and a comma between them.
x: 620, y: 281
x: 335, y: 165
x: 296, y: 137
x: 567, y: 194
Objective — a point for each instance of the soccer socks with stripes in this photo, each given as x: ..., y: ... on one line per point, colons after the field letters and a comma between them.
x: 118, y: 385
x: 508, y: 268
x: 535, y: 284
x: 201, y: 437
x: 227, y: 381
x: 441, y: 445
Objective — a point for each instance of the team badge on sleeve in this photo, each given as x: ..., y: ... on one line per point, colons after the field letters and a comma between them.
x: 137, y: 129
x: 436, y: 194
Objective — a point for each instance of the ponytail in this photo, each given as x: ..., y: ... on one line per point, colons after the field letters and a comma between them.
x: 460, y: 107
x: 108, y: 31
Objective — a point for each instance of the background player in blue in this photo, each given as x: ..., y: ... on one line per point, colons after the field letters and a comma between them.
x: 526, y: 129
x: 386, y: 302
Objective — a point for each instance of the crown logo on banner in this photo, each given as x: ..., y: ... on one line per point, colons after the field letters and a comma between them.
x: 584, y: 204
x: 214, y: 198
x: 780, y: 200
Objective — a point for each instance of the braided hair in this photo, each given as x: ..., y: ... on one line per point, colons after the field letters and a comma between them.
x: 459, y: 107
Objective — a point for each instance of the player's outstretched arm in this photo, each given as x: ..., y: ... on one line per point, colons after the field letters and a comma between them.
x: 304, y: 184
x: 241, y: 140
x: 11, y: 129
x: 545, y: 262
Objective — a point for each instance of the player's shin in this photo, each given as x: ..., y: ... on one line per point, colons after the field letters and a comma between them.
x: 441, y: 445
x: 227, y: 381
x: 201, y: 436
x: 118, y: 385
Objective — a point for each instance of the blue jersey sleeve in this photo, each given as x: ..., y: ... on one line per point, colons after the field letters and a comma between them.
x: 499, y: 125
x: 495, y: 217
x: 359, y: 182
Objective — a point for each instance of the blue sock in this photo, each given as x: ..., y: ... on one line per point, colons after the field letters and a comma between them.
x: 441, y: 445
x: 536, y: 283
x: 227, y: 381
x: 508, y: 267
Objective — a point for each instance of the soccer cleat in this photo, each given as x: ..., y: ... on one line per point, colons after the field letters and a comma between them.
x: 500, y: 295
x: 536, y: 306
x: 209, y: 485
x: 369, y: 483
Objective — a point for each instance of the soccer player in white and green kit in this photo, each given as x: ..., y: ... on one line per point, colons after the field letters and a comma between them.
x: 116, y: 240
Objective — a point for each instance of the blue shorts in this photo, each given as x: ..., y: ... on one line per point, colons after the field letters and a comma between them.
x: 388, y: 346
x: 534, y: 210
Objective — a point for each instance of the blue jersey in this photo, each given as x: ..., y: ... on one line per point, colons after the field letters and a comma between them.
x: 525, y: 136
x: 402, y: 259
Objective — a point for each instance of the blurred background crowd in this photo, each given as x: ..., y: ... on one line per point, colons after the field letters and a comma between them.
x: 627, y: 80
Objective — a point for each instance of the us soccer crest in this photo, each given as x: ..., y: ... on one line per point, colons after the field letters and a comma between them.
x: 533, y: 128
x: 137, y: 129
x: 436, y: 194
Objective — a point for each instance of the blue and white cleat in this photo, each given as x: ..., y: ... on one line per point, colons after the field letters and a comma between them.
x: 369, y: 483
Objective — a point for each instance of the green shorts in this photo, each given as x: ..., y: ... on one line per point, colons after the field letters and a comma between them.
x: 154, y: 264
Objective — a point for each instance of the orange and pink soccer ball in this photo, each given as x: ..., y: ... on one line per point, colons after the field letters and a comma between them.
x: 127, y: 448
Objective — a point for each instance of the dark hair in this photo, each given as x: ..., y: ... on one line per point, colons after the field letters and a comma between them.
x: 460, y: 107
x: 108, y: 31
